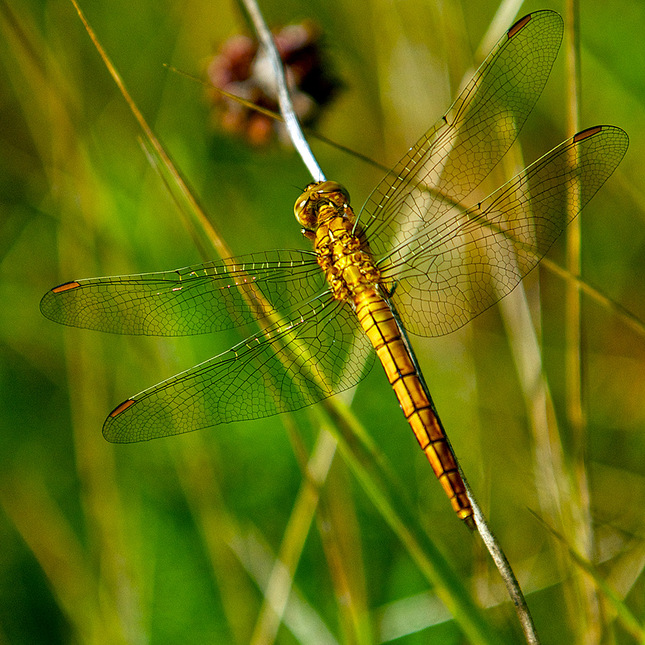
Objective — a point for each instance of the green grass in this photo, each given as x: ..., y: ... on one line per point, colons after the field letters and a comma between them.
x: 174, y: 540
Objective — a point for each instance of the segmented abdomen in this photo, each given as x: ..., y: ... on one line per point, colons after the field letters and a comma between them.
x: 378, y: 322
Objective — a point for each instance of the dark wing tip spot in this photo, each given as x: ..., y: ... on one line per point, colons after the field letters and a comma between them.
x: 589, y: 132
x: 122, y: 407
x: 518, y: 26
x: 66, y: 286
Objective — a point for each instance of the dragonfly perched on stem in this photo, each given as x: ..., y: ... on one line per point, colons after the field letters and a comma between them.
x: 421, y: 256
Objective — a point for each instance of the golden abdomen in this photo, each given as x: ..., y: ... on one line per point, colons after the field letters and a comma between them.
x: 378, y: 322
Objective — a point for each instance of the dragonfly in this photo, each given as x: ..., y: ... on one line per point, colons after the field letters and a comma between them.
x: 424, y: 255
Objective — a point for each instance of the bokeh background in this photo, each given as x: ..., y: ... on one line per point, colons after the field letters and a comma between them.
x: 175, y: 540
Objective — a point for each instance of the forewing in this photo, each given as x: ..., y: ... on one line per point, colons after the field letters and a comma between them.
x: 317, y: 352
x: 194, y: 300
x: 469, y: 259
x: 454, y: 156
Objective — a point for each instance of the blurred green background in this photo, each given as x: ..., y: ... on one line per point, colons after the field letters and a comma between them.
x: 174, y: 541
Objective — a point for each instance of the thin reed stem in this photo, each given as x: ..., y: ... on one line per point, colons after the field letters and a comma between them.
x: 581, y: 530
x: 286, y: 107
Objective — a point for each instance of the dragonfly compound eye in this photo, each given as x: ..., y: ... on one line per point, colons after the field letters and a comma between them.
x: 316, y: 194
x: 331, y: 187
x: 304, y: 211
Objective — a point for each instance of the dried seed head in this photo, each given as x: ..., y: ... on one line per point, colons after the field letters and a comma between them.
x: 241, y: 68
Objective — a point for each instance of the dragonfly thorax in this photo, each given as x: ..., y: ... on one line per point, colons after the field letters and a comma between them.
x: 329, y: 222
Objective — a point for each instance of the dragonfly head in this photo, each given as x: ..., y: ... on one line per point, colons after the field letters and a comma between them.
x: 315, y: 196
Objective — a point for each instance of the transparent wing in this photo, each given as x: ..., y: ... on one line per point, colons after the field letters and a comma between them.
x: 466, y: 260
x: 317, y: 352
x: 193, y: 300
x: 455, y: 156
